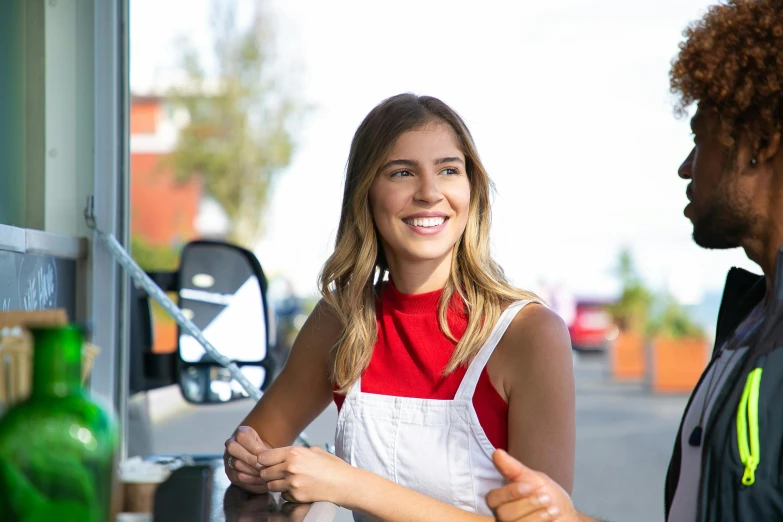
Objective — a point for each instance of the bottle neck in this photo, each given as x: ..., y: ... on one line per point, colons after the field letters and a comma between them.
x: 57, y: 361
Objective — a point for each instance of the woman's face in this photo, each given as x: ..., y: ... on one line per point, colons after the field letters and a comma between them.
x: 421, y: 196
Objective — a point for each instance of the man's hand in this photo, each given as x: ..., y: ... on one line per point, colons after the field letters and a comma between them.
x: 243, y: 449
x: 529, y: 496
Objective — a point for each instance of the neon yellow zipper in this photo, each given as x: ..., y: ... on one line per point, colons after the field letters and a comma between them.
x: 748, y: 427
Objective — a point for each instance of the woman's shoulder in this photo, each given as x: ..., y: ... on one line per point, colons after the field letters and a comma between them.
x: 535, y: 312
x: 322, y: 329
x: 325, y: 318
x: 536, y: 330
x: 534, y: 351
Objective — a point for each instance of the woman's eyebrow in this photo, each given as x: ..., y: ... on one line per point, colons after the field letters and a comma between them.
x: 414, y: 163
x: 400, y: 163
x: 451, y: 159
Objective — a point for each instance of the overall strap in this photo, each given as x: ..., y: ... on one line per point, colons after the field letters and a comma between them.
x: 469, y: 382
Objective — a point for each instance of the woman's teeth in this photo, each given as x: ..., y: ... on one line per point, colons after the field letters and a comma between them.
x: 426, y: 222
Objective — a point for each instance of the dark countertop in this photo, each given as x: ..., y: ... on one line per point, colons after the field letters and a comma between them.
x: 232, y: 504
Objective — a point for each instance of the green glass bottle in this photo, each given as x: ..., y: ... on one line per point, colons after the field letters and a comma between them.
x: 57, y: 448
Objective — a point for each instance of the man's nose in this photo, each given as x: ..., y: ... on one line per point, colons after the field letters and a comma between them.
x: 685, y: 169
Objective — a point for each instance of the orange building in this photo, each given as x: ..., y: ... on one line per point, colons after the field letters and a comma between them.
x: 163, y: 212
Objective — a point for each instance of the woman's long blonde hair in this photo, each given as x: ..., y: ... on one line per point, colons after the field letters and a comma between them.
x: 351, y: 277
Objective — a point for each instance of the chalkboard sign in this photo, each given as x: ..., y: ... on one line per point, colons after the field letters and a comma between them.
x: 37, y: 282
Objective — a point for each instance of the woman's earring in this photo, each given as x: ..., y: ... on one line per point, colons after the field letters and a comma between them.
x: 753, y: 162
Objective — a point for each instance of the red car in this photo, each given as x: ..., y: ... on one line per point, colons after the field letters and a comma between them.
x: 592, y: 328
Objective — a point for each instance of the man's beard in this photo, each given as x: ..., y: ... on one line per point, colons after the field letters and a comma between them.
x: 725, y: 223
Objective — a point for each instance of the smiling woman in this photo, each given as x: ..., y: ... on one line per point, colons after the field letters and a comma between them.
x: 420, y: 204
x: 433, y: 358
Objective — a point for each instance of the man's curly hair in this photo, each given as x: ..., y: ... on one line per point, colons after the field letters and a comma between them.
x: 731, y: 64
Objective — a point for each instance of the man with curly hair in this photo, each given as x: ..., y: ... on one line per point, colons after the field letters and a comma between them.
x: 727, y: 463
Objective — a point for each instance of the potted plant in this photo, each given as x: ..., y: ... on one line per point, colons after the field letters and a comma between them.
x: 631, y: 315
x: 678, y: 349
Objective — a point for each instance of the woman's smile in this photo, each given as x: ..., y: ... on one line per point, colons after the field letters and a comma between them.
x: 427, y: 223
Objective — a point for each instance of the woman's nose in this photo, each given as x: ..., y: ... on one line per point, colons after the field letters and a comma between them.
x: 428, y: 190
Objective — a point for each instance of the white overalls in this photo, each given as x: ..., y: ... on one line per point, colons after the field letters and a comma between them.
x: 435, y: 447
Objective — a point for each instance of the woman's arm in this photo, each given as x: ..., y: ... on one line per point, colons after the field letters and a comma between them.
x: 386, y: 501
x: 533, y: 366
x: 292, y: 401
x: 303, y: 389
x: 311, y: 475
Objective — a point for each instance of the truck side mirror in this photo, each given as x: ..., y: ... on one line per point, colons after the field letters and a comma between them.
x: 222, y: 290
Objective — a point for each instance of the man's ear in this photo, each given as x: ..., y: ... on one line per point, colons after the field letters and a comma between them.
x: 770, y: 150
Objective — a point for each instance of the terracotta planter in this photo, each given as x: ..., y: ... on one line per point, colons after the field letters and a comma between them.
x: 677, y: 364
x: 626, y: 357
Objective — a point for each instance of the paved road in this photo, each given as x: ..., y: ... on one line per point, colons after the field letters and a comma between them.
x: 624, y: 439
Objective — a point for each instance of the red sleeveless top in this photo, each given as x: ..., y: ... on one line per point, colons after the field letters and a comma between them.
x: 411, y: 353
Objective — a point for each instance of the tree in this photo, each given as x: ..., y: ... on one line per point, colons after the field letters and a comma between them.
x: 631, y: 311
x: 639, y: 310
x: 153, y: 258
x: 239, y: 131
x: 672, y: 321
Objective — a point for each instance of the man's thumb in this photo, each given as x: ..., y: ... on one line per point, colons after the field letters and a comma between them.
x: 510, y: 467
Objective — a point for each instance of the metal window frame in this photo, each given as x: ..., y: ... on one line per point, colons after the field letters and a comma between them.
x: 28, y: 241
x: 109, y: 285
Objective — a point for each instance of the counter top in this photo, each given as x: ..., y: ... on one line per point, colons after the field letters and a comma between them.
x: 232, y: 504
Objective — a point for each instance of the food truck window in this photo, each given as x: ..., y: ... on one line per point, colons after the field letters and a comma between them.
x: 46, y: 113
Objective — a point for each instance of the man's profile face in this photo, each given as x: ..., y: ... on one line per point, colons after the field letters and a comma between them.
x: 720, y: 208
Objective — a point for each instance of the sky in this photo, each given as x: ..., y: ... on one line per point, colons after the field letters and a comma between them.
x: 568, y: 102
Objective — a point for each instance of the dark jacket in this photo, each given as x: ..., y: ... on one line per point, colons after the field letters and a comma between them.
x: 729, y: 490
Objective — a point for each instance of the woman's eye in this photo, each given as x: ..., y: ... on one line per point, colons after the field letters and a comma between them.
x: 450, y: 172
x: 401, y: 174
